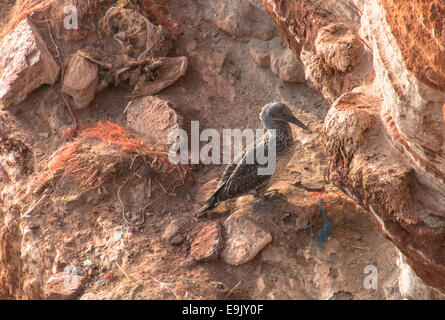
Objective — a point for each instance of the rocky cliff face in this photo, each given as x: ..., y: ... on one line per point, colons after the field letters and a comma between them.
x: 381, y: 65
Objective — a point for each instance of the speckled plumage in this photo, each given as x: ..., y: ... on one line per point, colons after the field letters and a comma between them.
x: 239, y: 177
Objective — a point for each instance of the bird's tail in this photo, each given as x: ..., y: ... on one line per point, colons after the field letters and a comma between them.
x: 209, y: 205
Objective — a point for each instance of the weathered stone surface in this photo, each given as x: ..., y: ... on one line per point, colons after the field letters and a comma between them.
x: 63, y: 286
x: 312, y: 185
x: 242, y: 18
x: 381, y: 67
x: 81, y: 80
x: 172, y: 234
x: 206, y: 241
x: 412, y: 287
x: 339, y: 46
x: 261, y: 56
x: 301, y: 23
x: 177, y: 239
x: 25, y: 64
x: 154, y: 118
x: 244, y: 239
x: 284, y: 64
x: 171, y: 231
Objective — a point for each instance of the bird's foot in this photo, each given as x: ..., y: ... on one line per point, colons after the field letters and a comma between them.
x: 263, y: 199
x: 272, y: 194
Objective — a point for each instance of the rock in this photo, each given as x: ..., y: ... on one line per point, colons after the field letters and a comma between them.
x: 59, y: 262
x: 81, y: 80
x: 312, y: 185
x: 206, y: 241
x: 32, y: 288
x: 286, y: 66
x: 261, y: 56
x: 177, y: 240
x: 117, y: 235
x: 411, y: 286
x: 87, y: 263
x: 337, y: 43
x: 241, y: 18
x: 25, y: 64
x: 341, y: 295
x: 154, y: 118
x: 171, y: 232
x: 64, y: 286
x: 89, y: 249
x: 244, y: 239
x: 321, y: 68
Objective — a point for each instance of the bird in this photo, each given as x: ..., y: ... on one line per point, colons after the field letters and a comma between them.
x: 241, y: 177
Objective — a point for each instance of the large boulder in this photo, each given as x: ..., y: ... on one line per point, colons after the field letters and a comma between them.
x: 25, y: 64
x: 381, y: 65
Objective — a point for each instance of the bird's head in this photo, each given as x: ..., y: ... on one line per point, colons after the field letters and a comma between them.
x: 277, y: 111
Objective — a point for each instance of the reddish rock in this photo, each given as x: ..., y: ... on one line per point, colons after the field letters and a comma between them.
x: 172, y: 233
x: 32, y: 288
x: 261, y: 56
x: 284, y: 64
x: 339, y: 46
x: 81, y: 80
x: 206, y: 241
x: 25, y: 64
x: 154, y: 118
x: 64, y: 286
x: 109, y: 275
x: 177, y: 239
x: 244, y: 239
x: 311, y: 185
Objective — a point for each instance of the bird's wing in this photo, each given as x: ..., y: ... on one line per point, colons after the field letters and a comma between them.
x: 244, y: 176
x: 230, y: 168
x: 244, y: 180
x: 227, y: 173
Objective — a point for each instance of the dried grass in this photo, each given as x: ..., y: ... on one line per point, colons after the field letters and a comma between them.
x: 111, y: 133
x: 106, y: 151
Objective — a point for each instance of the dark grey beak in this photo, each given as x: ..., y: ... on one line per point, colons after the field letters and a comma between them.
x: 294, y: 120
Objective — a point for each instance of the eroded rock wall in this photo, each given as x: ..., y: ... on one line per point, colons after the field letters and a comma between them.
x: 381, y: 65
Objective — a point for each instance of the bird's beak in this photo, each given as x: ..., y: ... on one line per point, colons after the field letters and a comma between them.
x: 294, y: 120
